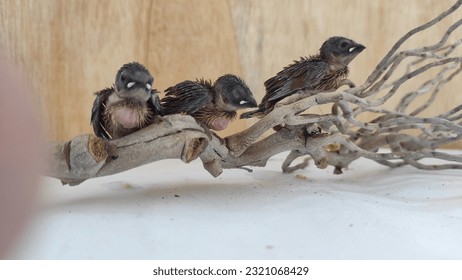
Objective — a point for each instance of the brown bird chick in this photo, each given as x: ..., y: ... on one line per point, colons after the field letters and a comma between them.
x: 129, y: 105
x: 325, y: 71
x: 211, y: 105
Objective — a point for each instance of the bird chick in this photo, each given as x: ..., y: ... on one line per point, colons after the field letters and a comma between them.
x: 129, y: 105
x: 325, y: 71
x: 211, y: 105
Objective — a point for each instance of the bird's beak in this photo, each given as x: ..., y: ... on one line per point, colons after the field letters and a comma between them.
x: 356, y: 49
x: 252, y: 102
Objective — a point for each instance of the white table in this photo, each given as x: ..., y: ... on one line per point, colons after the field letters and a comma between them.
x: 172, y: 210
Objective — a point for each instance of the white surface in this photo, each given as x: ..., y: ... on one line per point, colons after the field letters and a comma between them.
x: 369, y: 212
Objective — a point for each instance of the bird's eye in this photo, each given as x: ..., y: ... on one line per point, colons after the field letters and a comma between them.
x: 148, y: 86
x: 344, y: 45
x: 130, y: 84
x: 122, y: 78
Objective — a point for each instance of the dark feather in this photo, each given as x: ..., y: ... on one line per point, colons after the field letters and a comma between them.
x: 97, y: 113
x: 209, y: 115
x: 187, y: 97
x: 307, y: 73
x: 154, y: 103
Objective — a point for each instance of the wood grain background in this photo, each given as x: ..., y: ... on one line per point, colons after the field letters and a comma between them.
x: 72, y: 48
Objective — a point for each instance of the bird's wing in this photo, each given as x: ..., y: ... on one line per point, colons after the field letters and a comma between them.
x: 307, y: 73
x: 186, y: 97
x: 154, y: 103
x: 97, y: 112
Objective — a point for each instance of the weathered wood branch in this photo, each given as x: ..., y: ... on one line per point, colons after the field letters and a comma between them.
x: 334, y: 139
x: 88, y: 156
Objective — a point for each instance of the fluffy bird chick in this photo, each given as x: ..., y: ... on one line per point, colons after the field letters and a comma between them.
x: 325, y: 71
x: 129, y: 105
x: 211, y: 105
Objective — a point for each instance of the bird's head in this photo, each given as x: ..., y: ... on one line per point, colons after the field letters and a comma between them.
x: 234, y: 93
x: 133, y: 80
x: 340, y: 49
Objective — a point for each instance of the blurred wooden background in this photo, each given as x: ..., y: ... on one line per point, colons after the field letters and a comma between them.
x: 72, y: 48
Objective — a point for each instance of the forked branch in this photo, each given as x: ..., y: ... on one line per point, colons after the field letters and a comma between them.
x: 335, y: 139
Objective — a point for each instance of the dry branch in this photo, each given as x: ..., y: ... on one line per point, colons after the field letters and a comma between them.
x: 87, y: 156
x: 343, y: 138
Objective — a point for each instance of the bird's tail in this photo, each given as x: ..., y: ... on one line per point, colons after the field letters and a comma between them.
x: 251, y: 114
